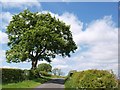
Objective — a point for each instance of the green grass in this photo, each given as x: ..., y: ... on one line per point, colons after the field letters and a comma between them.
x: 0, y: 86
x: 55, y: 76
x: 26, y: 84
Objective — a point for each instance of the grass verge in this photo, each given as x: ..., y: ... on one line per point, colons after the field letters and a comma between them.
x: 26, y: 84
x: 55, y: 76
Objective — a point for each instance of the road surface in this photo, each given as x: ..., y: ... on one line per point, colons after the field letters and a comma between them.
x: 53, y: 84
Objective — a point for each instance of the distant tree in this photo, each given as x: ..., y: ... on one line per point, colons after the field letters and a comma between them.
x: 54, y: 71
x: 60, y: 73
x: 35, y: 36
x: 57, y: 71
x: 44, y: 67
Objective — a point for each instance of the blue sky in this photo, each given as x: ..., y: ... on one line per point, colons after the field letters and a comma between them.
x: 84, y: 11
x: 94, y: 29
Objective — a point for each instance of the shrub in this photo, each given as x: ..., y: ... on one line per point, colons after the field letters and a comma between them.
x: 33, y: 74
x: 12, y: 75
x: 26, y: 74
x: 43, y: 73
x: 92, y: 79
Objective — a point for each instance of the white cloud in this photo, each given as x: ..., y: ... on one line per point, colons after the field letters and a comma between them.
x: 102, y: 37
x: 14, y: 67
x: 99, y: 31
x: 2, y: 55
x: 22, y: 4
x: 60, y: 61
x: 5, y: 17
x: 3, y: 38
x: 19, y: 1
x: 39, y: 62
x: 62, y: 67
x: 9, y: 67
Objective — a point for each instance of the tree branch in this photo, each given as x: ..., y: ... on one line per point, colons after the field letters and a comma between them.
x: 31, y: 55
x: 41, y: 52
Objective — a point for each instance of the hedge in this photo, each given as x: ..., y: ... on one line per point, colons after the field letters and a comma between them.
x: 92, y: 79
x: 12, y: 75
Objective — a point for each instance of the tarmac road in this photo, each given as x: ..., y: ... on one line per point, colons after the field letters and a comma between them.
x: 52, y: 84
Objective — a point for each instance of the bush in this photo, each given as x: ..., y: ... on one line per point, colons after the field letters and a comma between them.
x: 33, y: 74
x: 92, y: 79
x: 43, y: 73
x: 12, y: 75
x: 26, y: 74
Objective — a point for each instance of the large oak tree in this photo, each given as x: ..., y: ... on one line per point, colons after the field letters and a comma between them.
x: 37, y: 36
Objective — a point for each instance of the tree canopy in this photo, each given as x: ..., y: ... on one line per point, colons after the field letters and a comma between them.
x: 37, y: 36
x: 44, y: 67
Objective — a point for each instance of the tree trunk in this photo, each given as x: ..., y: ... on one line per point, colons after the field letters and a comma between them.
x: 34, y: 64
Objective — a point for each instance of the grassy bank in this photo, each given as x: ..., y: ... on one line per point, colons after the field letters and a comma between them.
x: 92, y: 79
x: 55, y: 76
x: 26, y: 84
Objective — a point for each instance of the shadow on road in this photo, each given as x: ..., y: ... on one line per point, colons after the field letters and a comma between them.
x: 56, y: 81
x: 52, y: 84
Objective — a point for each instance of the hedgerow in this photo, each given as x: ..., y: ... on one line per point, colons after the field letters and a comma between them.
x: 12, y: 75
x: 92, y: 79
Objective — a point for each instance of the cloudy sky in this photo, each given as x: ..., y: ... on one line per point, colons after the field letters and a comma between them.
x: 94, y: 27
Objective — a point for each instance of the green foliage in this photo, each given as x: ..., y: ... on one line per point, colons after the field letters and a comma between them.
x: 26, y: 74
x: 43, y: 73
x: 44, y: 67
x: 35, y: 36
x: 92, y: 79
x: 119, y: 83
x: 33, y: 74
x: 12, y: 75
